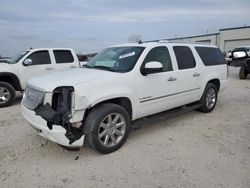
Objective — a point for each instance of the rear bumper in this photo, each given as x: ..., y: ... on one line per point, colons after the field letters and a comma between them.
x: 56, y: 134
x: 241, y: 63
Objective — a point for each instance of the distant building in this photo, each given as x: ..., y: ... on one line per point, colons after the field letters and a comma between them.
x: 226, y: 39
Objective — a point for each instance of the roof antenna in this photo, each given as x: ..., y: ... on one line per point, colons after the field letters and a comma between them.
x: 139, y: 42
x: 31, y: 48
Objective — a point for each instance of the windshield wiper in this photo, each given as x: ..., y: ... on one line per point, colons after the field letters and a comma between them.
x: 87, y: 66
x: 104, y: 68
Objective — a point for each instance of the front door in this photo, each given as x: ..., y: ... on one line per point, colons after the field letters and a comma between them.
x: 41, y: 64
x: 157, y: 92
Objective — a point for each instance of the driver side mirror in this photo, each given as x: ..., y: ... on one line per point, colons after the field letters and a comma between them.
x: 239, y: 55
x: 27, y: 62
x: 152, y: 67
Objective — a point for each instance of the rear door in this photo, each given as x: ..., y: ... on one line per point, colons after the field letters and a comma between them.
x: 64, y: 59
x: 189, y: 74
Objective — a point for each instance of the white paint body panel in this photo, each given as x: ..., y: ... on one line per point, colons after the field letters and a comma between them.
x: 94, y: 86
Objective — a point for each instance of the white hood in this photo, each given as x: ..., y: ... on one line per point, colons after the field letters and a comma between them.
x: 72, y: 77
x: 6, y: 67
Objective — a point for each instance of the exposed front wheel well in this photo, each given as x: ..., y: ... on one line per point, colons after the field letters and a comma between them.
x: 122, y: 101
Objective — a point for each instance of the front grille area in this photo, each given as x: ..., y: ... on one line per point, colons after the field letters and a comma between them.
x: 248, y: 63
x: 32, y: 97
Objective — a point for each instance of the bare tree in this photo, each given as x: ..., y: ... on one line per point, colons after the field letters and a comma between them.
x: 134, y: 38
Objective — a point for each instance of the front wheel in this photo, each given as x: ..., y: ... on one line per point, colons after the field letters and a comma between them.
x: 108, y: 127
x: 209, y: 98
x: 7, y: 94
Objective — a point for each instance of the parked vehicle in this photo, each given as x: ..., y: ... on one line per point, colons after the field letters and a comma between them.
x: 15, y: 72
x: 228, y: 57
x: 4, y: 60
x: 244, y: 48
x: 241, y: 58
x: 119, y: 85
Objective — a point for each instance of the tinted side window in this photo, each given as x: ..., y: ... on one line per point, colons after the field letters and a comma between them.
x: 160, y: 54
x: 63, y: 56
x: 40, y: 58
x: 184, y: 56
x: 242, y: 49
x: 210, y: 56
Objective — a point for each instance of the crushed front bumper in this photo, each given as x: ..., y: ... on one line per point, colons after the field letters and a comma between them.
x: 56, y: 134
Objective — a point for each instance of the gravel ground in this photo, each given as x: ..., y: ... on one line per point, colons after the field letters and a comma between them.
x: 191, y: 150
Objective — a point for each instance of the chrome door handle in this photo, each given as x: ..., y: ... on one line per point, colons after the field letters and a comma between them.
x: 48, y: 68
x: 196, y: 74
x: 171, y: 78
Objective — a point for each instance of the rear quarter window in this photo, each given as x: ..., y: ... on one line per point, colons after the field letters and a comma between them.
x: 210, y: 56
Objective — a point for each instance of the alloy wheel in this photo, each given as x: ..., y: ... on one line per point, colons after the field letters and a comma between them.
x: 112, y: 129
x: 4, y: 95
x: 211, y: 98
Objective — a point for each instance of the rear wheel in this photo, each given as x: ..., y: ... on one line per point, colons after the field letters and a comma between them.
x: 243, y: 73
x: 7, y: 94
x: 108, y: 127
x: 209, y: 98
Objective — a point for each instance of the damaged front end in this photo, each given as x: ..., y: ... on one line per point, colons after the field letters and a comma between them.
x: 59, y: 113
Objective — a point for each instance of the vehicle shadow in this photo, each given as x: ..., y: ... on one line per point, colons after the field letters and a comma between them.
x: 18, y: 98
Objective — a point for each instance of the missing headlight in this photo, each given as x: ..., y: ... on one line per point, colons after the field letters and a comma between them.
x: 61, y: 100
x: 60, y: 112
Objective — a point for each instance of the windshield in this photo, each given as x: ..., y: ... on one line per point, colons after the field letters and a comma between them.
x: 116, y: 59
x: 17, y: 57
x: 242, y: 48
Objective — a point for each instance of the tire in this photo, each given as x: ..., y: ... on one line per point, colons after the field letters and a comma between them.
x: 209, y: 98
x: 7, y: 94
x: 107, y: 127
x: 242, y: 73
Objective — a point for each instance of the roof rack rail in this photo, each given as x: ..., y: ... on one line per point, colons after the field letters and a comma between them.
x: 191, y: 42
x: 172, y: 41
x: 147, y: 41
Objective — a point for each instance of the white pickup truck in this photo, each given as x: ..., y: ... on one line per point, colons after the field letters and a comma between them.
x: 96, y: 104
x: 15, y: 73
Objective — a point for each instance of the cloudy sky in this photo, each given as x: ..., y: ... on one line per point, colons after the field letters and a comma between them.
x: 90, y: 25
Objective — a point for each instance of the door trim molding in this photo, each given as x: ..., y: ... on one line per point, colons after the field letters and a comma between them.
x: 164, y: 96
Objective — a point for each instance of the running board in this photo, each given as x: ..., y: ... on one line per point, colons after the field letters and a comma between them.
x: 149, y: 120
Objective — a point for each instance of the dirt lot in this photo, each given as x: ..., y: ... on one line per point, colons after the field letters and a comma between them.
x: 191, y: 150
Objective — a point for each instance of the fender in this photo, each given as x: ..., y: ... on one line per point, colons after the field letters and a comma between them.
x: 11, y: 79
x: 209, y: 77
x: 83, y: 102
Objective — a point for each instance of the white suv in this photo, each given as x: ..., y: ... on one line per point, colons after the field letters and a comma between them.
x: 96, y: 104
